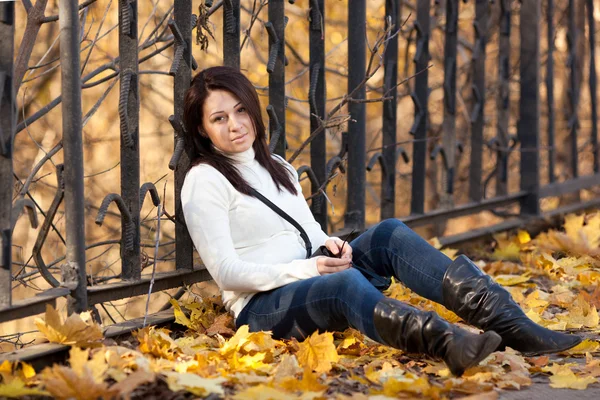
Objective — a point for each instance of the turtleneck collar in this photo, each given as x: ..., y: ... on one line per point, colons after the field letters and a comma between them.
x: 245, y: 157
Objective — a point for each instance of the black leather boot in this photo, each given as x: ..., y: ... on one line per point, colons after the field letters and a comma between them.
x: 415, y: 331
x: 481, y: 302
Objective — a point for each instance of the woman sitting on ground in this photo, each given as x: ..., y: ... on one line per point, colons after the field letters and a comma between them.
x: 259, y: 260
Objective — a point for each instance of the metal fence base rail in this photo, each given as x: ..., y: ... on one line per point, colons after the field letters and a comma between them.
x: 45, y: 354
x: 108, y: 292
x: 32, y: 306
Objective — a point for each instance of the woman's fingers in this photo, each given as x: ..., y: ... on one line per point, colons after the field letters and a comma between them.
x: 330, y: 265
x: 333, y: 246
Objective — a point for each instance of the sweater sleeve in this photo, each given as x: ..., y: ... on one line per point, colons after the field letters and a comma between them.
x: 206, y: 196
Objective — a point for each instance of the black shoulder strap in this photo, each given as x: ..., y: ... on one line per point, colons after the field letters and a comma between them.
x: 289, y: 219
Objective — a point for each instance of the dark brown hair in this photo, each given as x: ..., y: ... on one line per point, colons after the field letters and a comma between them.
x: 234, y: 82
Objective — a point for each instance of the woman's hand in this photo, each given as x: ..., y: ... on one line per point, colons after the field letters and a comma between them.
x: 337, y: 246
x: 331, y: 265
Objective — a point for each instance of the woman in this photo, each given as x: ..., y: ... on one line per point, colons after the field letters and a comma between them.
x: 259, y: 260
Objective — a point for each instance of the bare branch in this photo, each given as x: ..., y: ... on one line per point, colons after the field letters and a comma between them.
x: 53, y: 18
x: 35, y: 16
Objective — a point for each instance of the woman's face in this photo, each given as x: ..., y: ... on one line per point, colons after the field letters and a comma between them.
x: 227, y: 122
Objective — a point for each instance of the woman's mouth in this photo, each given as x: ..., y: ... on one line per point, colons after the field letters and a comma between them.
x: 238, y: 138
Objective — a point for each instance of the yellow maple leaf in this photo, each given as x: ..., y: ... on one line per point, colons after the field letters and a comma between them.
x: 586, y: 346
x: 309, y: 383
x: 156, y: 341
x: 410, y: 383
x: 573, y: 224
x: 533, y: 301
x: 511, y: 280
x: 65, y: 383
x: 180, y: 317
x: 245, y: 342
x: 351, y: 345
x: 581, y: 314
x: 318, y: 352
x: 14, y: 387
x: 568, y: 380
x: 194, y: 383
x: 77, y: 330
x: 523, y: 237
x: 261, y: 392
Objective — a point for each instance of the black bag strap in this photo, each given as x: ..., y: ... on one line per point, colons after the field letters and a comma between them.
x: 289, y: 219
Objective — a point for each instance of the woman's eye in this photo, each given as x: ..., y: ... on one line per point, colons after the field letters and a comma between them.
x: 242, y: 109
x: 218, y: 119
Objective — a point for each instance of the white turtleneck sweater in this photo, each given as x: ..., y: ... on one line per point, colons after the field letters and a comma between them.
x: 245, y: 245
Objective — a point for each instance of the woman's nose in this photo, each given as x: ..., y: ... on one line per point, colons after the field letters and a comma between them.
x: 234, y: 123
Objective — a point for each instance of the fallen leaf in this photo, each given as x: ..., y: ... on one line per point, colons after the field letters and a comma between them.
x: 76, y: 330
x: 568, y: 380
x: 194, y: 383
x: 124, y: 388
x: 14, y: 387
x: 261, y: 392
x: 586, y: 346
x: 222, y: 325
x: 65, y: 383
x: 318, y: 352
x: 309, y: 383
x: 511, y: 280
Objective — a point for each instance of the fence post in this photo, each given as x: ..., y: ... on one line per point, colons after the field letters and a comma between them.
x: 449, y: 123
x: 574, y: 80
x: 529, y: 105
x: 390, y: 80
x: 231, y: 33
x: 550, y: 89
x: 276, y: 69
x: 73, y: 153
x: 593, y: 82
x: 7, y: 128
x: 420, y: 96
x: 355, y: 199
x: 129, y: 108
x: 503, y: 99
x: 182, y: 13
x: 482, y: 8
x: 317, y: 95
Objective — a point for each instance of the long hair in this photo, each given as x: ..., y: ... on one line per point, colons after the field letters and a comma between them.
x: 203, y: 151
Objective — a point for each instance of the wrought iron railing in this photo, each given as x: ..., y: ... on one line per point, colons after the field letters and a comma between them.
x: 352, y: 159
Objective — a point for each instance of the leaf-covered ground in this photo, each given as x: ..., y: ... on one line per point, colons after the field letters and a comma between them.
x: 555, y: 278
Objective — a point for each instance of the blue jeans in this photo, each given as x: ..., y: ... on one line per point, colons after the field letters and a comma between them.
x: 345, y: 299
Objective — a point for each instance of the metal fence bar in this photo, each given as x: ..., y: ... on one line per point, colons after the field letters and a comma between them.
x: 8, y: 117
x: 593, y: 81
x: 503, y: 98
x: 355, y: 201
x: 182, y: 13
x: 550, y: 89
x: 231, y: 33
x: 317, y: 96
x: 73, y: 154
x: 129, y: 109
x: 276, y: 69
x: 529, y: 104
x: 573, y: 123
x: 419, y: 97
x: 449, y: 122
x: 482, y: 8
x: 390, y: 80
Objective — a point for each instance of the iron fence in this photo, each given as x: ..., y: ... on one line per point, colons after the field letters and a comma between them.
x: 352, y: 159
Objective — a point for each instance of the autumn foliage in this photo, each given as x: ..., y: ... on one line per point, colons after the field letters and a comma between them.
x: 555, y: 278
